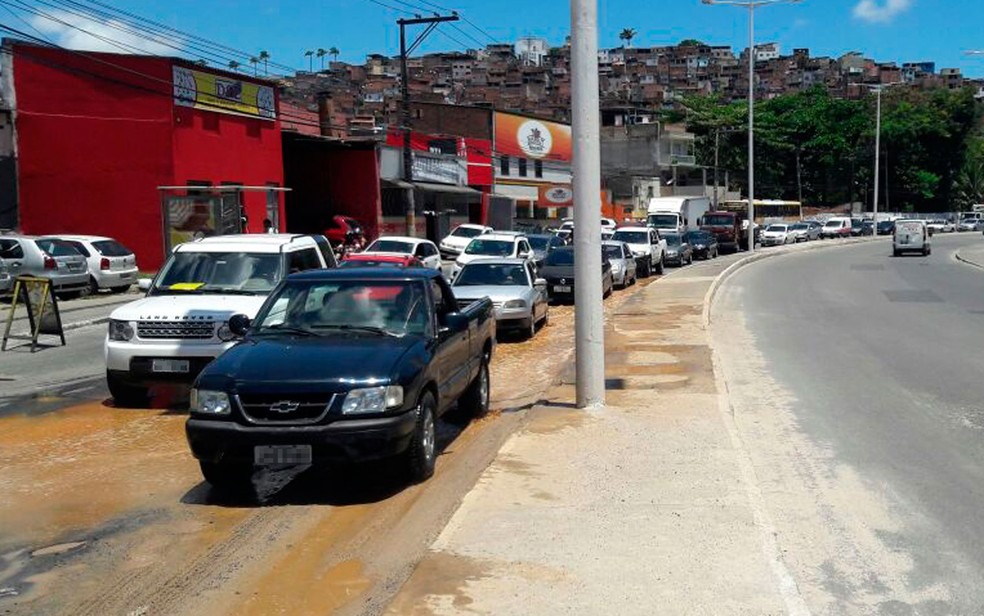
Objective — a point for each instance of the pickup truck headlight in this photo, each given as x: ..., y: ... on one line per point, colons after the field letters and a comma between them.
x: 120, y: 331
x: 514, y: 303
x: 208, y: 402
x: 372, y: 399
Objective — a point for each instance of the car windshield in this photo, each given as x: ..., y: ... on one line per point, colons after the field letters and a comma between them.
x: 673, y: 240
x: 777, y: 228
x: 718, y: 220
x: 386, y: 245
x: 560, y: 257
x: 495, y: 274
x: 57, y: 248
x: 631, y: 237
x: 466, y: 232
x: 358, y: 307
x: 612, y: 252
x: 662, y: 220
x: 539, y: 242
x: 799, y: 227
x: 371, y: 263
x: 220, y: 272
x: 492, y: 248
x: 111, y: 248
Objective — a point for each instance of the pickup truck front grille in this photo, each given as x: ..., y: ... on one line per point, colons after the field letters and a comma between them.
x: 285, y: 409
x: 176, y: 330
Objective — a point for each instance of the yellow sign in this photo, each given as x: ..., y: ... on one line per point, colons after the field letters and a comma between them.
x: 222, y: 94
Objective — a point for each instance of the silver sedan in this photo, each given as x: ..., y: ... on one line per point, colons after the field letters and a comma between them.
x: 623, y: 262
x: 519, y: 297
x: 805, y: 232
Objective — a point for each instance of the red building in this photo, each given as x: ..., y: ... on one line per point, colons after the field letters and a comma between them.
x: 98, y: 134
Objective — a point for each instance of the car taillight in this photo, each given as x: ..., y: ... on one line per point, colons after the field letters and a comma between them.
x: 104, y: 263
x: 50, y: 263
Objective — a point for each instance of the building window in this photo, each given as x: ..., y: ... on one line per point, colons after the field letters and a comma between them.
x: 522, y: 167
x: 538, y: 168
x: 649, y: 192
x: 504, y: 165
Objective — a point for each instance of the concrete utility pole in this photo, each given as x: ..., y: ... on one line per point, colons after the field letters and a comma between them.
x: 751, y: 5
x: 432, y: 22
x: 589, y: 331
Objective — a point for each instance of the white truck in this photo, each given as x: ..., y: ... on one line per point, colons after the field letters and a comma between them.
x: 677, y: 214
x: 182, y: 324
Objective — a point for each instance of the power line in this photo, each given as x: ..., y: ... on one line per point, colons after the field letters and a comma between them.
x: 393, y: 8
x: 117, y: 44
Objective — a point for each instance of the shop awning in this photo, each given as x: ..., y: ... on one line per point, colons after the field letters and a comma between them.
x: 397, y: 183
x: 447, y: 188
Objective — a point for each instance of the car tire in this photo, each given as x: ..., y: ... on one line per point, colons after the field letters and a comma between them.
x: 120, y: 289
x: 126, y: 395
x: 661, y: 267
x: 530, y: 330
x: 93, y: 286
x: 421, y: 456
x: 896, y: 252
x: 228, y: 478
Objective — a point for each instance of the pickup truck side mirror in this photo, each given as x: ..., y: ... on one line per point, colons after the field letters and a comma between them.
x: 239, y: 324
x: 144, y: 284
x: 452, y: 323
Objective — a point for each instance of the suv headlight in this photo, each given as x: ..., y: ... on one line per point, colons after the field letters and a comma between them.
x: 514, y: 303
x: 372, y: 399
x: 225, y: 334
x: 120, y: 331
x: 208, y: 402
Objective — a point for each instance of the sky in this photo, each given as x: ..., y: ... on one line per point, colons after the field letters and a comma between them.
x: 885, y: 30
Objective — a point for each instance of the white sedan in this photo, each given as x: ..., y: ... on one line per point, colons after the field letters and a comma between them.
x: 777, y: 235
x: 455, y: 242
x: 425, y: 250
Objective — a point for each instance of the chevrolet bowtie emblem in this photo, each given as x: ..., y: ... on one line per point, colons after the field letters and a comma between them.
x: 284, y: 406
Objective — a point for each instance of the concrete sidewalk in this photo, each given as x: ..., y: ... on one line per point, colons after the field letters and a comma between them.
x: 646, y: 506
x: 80, y: 312
x: 973, y: 255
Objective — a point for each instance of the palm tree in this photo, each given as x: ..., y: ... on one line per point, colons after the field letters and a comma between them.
x: 321, y: 56
x: 255, y: 61
x: 310, y: 56
x: 265, y: 58
x: 627, y: 35
x: 234, y: 66
x: 333, y: 52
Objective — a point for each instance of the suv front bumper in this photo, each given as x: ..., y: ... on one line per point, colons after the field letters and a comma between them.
x: 132, y: 362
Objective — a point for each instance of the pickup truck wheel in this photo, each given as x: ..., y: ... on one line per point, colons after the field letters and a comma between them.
x: 229, y: 478
x: 660, y: 266
x: 126, y: 395
x: 475, y: 401
x: 422, y: 454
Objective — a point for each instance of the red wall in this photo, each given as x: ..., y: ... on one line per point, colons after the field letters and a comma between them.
x: 95, y: 141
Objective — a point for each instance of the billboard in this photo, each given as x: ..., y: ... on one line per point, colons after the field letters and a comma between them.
x: 215, y: 92
x: 526, y: 137
x: 555, y: 195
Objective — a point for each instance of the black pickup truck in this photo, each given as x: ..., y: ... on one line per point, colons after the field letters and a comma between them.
x: 341, y: 365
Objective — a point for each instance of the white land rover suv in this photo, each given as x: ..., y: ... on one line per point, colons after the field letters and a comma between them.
x: 183, y: 322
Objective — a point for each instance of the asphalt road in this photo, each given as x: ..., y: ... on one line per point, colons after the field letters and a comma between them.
x: 856, y: 381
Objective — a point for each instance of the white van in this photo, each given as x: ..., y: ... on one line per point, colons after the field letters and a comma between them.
x: 836, y: 227
x: 911, y: 236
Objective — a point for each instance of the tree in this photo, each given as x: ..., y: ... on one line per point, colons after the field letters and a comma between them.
x: 321, y: 56
x: 333, y: 52
x: 627, y: 35
x: 265, y: 58
x: 310, y: 56
x: 233, y: 65
x: 202, y: 62
x: 255, y: 62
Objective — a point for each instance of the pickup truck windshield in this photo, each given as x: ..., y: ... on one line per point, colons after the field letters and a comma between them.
x: 492, y: 248
x: 631, y: 237
x: 481, y: 274
x: 240, y: 273
x: 663, y: 221
x: 391, y: 308
x: 719, y: 221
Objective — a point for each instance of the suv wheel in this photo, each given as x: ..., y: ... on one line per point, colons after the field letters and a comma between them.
x: 422, y: 454
x: 124, y: 394
x: 229, y: 478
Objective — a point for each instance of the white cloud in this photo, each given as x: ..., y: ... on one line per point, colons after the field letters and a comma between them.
x: 77, y: 32
x: 881, y: 11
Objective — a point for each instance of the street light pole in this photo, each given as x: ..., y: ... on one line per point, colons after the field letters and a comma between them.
x: 589, y: 332
x: 751, y: 5
x: 874, y: 208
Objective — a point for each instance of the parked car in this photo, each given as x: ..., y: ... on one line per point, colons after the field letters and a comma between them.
x: 425, y: 250
x: 503, y: 245
x: 6, y: 280
x: 647, y: 246
x: 857, y: 227
x: 704, y: 243
x: 912, y: 236
x: 455, y: 242
x: 46, y: 258
x: 804, y: 232
x: 778, y: 234
x: 342, y: 229
x: 380, y: 259
x: 885, y: 227
x: 867, y: 227
x: 836, y: 227
x: 111, y: 264
x: 342, y: 365
x: 558, y: 271
x: 519, y: 297
x: 542, y: 244
x: 941, y: 225
x: 183, y: 323
x: 623, y: 262
x: 971, y: 224
x: 678, y: 250
x: 608, y: 224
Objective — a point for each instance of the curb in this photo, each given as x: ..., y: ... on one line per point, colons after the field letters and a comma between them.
x: 968, y: 261
x: 86, y: 323
x: 758, y: 256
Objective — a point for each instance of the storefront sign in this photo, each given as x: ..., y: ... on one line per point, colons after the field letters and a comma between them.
x: 436, y: 168
x: 524, y: 137
x: 556, y: 195
x: 214, y: 92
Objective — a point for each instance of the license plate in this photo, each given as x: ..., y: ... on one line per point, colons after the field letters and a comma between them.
x: 268, y: 455
x: 127, y: 276
x: 170, y: 365
x: 562, y: 289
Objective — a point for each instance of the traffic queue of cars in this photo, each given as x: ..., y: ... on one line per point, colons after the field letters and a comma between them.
x: 75, y: 264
